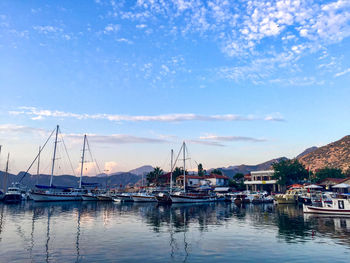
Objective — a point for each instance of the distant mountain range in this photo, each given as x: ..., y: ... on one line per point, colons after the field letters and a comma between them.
x: 335, y: 154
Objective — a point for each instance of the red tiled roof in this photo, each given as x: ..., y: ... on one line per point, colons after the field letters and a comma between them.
x: 217, y: 176
x: 333, y: 180
x: 190, y: 177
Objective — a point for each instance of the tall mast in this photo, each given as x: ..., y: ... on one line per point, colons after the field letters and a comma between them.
x: 82, y: 162
x: 54, y: 156
x: 6, y: 172
x: 171, y: 171
x: 38, y: 167
x: 184, y: 151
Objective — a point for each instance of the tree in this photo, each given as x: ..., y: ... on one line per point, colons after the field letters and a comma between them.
x: 238, y: 176
x: 153, y: 177
x: 289, y: 172
x: 177, y: 172
x: 328, y: 172
x: 216, y: 171
x: 347, y: 172
x: 200, y: 170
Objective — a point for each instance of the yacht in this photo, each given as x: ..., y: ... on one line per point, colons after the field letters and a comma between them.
x: 13, y: 194
x: 189, y: 197
x: 48, y: 193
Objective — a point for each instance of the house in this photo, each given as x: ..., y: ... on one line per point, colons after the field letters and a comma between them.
x: 191, y: 180
x: 217, y: 179
x: 327, y: 183
x: 195, y: 180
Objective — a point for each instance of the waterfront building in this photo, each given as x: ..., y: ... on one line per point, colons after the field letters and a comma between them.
x: 217, y: 180
x: 196, y: 180
x: 261, y: 181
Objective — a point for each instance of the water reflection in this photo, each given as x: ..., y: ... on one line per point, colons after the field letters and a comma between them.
x: 78, y: 232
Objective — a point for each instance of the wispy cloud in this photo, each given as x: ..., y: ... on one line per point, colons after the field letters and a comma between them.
x: 13, y: 128
x: 38, y: 114
x: 342, y: 73
x: 10, y: 129
x: 230, y: 138
x: 115, y: 139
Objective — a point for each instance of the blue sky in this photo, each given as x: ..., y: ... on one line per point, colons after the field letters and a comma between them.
x: 240, y: 81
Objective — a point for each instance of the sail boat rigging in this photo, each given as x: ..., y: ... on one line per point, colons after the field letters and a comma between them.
x: 189, y: 197
x: 55, y: 193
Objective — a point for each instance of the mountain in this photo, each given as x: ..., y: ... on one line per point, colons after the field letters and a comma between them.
x: 307, y: 151
x: 142, y: 170
x: 244, y: 169
x: 333, y: 155
x: 72, y: 181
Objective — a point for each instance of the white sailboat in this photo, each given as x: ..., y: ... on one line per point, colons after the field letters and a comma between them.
x: 57, y: 193
x: 194, y: 197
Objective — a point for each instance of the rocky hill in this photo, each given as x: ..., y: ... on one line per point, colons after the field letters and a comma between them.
x: 307, y: 151
x: 334, y: 155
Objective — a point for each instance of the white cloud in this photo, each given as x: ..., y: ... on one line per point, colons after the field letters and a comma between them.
x: 35, y: 113
x: 47, y: 29
x: 111, y: 28
x: 110, y: 167
x: 13, y: 128
x: 342, y: 73
x: 231, y: 138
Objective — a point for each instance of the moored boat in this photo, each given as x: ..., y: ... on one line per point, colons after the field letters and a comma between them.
x: 191, y: 198
x: 13, y: 194
x: 339, y: 206
x: 144, y: 197
x: 124, y: 197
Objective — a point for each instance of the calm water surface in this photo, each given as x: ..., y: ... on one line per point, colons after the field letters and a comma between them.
x: 222, y: 232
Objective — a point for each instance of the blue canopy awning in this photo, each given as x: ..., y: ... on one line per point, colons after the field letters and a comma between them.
x: 51, y: 187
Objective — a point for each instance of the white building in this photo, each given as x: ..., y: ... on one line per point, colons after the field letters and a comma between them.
x: 261, y: 181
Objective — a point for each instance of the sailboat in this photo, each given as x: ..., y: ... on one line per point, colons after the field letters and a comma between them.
x: 191, y: 197
x: 2, y: 192
x: 164, y: 197
x: 56, y: 193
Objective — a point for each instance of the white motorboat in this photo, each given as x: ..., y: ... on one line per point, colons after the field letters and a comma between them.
x: 144, y: 197
x: 124, y: 197
x: 13, y: 194
x: 339, y: 206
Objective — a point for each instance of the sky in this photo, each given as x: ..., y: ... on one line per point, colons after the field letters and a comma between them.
x: 241, y: 82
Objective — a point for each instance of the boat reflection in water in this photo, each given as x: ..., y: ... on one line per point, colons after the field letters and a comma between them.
x: 148, y: 232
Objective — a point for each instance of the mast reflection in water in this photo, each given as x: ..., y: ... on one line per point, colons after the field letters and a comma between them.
x: 222, y: 232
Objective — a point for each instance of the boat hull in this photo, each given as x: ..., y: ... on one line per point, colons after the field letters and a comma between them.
x: 138, y: 198
x: 190, y: 199
x: 325, y: 210
x: 104, y: 198
x: 89, y: 198
x: 44, y: 197
x: 12, y: 198
x: 124, y: 198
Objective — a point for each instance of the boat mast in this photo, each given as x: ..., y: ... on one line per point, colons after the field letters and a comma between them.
x: 184, y: 152
x: 6, y: 172
x: 171, y: 171
x: 82, y: 162
x: 54, y: 156
x: 38, y: 168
